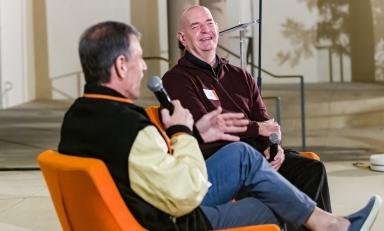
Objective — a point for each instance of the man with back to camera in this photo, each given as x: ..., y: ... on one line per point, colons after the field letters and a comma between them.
x: 170, y: 190
x: 203, y: 81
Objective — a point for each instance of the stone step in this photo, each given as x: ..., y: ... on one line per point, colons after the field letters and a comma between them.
x: 327, y: 106
x: 332, y: 144
x: 335, y: 121
x: 290, y: 108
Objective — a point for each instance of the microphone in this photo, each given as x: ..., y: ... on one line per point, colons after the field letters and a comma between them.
x: 156, y: 86
x: 275, y: 140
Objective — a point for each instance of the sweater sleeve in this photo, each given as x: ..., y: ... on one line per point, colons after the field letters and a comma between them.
x: 258, y: 113
x: 257, y: 109
x: 175, y: 184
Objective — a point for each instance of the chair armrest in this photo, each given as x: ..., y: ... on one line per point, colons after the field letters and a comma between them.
x: 310, y: 155
x: 269, y: 227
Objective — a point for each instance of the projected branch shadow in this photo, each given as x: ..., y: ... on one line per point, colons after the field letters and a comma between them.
x: 345, y: 29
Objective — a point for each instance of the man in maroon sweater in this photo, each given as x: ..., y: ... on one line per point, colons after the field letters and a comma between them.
x: 202, y: 81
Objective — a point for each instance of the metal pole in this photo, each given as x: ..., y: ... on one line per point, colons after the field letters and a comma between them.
x: 302, y: 114
x: 330, y: 61
x: 341, y: 66
x: 250, y: 53
x: 259, y: 81
x: 242, y: 35
x: 278, y: 112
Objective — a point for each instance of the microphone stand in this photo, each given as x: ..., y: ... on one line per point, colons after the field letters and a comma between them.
x: 242, y: 28
x: 259, y: 46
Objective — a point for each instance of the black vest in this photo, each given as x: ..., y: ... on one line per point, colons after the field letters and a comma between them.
x: 106, y: 130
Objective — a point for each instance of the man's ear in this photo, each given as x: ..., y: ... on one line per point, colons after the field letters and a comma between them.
x: 181, y: 38
x: 120, y: 66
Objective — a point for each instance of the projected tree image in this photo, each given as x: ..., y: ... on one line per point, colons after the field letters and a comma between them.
x: 345, y: 27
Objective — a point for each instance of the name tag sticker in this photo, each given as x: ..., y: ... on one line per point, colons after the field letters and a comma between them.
x: 211, y: 94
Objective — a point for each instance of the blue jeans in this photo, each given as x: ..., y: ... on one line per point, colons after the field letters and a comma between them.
x: 239, y: 166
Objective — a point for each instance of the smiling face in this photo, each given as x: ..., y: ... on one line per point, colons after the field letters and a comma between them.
x: 199, y: 33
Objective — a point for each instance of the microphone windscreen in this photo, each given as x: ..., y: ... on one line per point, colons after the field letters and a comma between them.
x: 155, y: 84
x: 274, y: 138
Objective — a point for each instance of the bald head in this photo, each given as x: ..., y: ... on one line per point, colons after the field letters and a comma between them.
x: 190, y: 12
x: 199, y: 33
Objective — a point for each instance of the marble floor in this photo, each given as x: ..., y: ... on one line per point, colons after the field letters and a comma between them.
x: 25, y: 204
x: 28, y: 129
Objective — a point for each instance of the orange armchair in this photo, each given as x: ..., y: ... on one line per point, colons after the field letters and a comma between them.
x: 86, y: 198
x: 310, y: 155
x: 255, y: 228
x: 84, y: 194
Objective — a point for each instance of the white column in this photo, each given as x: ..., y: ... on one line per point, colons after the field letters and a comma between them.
x: 15, y: 67
x: 175, y: 8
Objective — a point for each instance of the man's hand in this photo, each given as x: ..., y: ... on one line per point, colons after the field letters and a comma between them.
x: 180, y: 116
x: 268, y: 127
x: 279, y: 158
x: 214, y: 126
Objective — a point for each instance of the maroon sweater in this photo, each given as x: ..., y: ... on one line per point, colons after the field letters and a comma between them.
x: 201, y: 89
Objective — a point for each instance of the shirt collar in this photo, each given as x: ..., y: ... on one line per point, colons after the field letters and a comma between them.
x: 92, y: 88
x: 200, y: 63
x: 203, y: 65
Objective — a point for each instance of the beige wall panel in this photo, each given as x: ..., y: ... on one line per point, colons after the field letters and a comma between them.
x: 66, y: 20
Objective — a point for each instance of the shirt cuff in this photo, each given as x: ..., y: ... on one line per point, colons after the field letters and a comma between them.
x: 172, y: 130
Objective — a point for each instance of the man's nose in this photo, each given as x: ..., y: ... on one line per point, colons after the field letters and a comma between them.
x: 144, y: 65
x: 204, y: 28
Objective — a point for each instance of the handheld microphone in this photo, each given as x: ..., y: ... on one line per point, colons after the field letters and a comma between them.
x: 156, y: 86
x: 273, y: 149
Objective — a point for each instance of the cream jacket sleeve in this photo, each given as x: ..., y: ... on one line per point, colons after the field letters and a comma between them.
x: 175, y: 184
